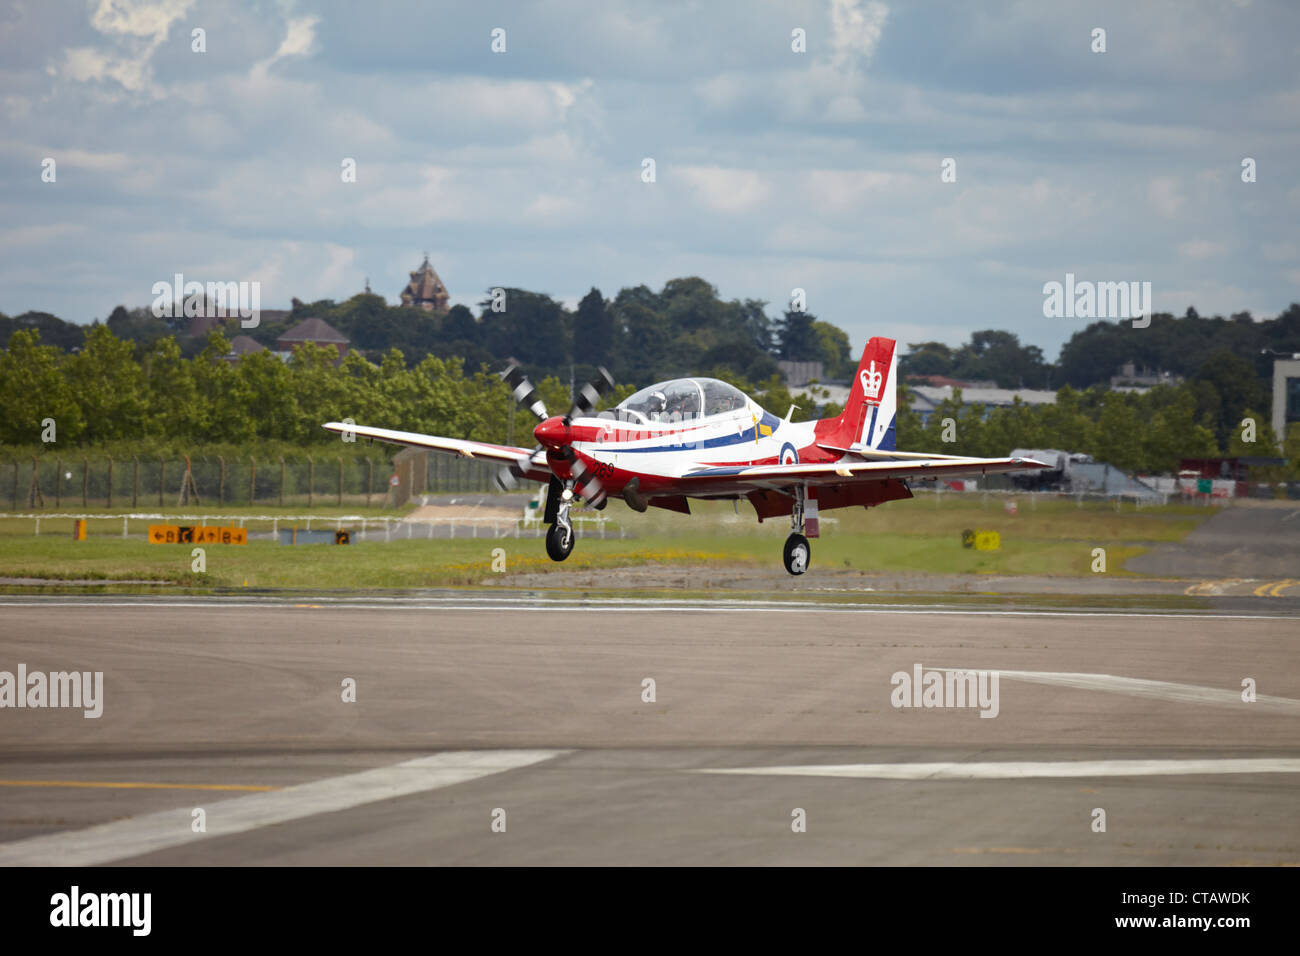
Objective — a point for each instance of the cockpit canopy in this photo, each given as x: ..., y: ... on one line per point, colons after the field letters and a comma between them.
x: 682, y: 398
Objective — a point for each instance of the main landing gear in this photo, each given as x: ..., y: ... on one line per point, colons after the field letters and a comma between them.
x: 559, y: 536
x: 797, y: 552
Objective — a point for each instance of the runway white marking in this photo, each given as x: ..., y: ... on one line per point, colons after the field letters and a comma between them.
x: 595, y: 605
x: 169, y: 828
x: 1005, y: 770
x: 1140, y: 687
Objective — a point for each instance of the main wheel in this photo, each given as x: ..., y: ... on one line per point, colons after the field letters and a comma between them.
x: 559, y: 542
x: 797, y: 554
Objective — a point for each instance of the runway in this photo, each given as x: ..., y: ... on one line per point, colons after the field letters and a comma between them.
x: 522, y: 729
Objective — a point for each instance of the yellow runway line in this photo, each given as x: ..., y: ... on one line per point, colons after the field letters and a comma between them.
x: 134, y: 786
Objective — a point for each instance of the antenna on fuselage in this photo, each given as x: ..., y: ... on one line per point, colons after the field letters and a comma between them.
x: 790, y: 412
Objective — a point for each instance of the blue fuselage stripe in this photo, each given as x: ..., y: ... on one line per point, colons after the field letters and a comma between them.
x: 769, y: 420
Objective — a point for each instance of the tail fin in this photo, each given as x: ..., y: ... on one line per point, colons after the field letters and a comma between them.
x: 869, y: 416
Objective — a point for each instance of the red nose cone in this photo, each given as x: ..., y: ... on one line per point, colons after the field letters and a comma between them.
x: 553, y: 433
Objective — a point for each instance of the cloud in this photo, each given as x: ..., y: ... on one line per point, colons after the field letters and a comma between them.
x: 856, y: 29
x: 726, y: 190
x: 298, y: 38
x: 1162, y: 194
x: 775, y: 169
x: 150, y: 19
x: 1201, y: 249
x: 85, y: 64
x: 136, y: 28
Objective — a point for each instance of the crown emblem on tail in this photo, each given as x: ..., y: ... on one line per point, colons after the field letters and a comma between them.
x: 871, y: 380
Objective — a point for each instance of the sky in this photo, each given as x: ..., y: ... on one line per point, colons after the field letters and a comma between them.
x: 774, y: 169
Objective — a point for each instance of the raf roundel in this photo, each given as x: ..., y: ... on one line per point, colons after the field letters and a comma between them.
x: 789, y: 454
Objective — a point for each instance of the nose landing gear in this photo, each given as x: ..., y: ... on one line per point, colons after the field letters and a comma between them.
x: 559, y: 536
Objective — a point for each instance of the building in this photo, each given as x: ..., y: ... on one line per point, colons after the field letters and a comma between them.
x: 926, y: 398
x: 1236, y: 469
x: 799, y: 374
x: 242, y: 345
x: 1286, y: 395
x: 1131, y: 379
x: 940, y: 381
x: 314, y: 330
x: 425, y: 290
x: 201, y: 325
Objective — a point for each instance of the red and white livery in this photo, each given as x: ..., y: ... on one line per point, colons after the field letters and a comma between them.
x: 702, y: 438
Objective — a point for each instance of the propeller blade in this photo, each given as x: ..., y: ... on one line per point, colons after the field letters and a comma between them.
x: 507, y: 477
x: 591, y: 393
x: 592, y: 490
x: 523, y: 392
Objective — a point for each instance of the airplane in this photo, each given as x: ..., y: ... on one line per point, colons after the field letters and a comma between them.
x: 702, y: 438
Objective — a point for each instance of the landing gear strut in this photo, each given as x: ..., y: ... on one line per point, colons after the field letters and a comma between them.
x: 560, y: 536
x: 797, y: 552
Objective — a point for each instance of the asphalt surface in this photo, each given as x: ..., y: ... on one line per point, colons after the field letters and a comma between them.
x: 528, y: 711
x: 1260, y: 542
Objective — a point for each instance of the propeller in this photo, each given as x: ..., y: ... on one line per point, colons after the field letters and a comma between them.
x: 591, y: 393
x: 523, y: 392
x: 584, y: 403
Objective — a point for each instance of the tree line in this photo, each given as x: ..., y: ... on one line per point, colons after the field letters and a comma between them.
x: 640, y: 334
x: 1143, y: 432
x: 140, y: 379
x: 105, y: 394
x: 684, y: 328
x: 1232, y: 353
x: 106, y: 397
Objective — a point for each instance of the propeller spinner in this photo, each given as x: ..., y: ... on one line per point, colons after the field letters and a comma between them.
x: 552, y: 432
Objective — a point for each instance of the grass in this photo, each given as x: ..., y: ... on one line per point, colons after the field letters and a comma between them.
x: 1054, y: 537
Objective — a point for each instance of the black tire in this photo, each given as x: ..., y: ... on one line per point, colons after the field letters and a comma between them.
x: 797, y: 554
x: 556, y: 547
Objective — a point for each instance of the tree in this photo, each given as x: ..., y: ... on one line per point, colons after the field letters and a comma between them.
x: 34, y: 387
x: 996, y: 355
x: 534, y: 328
x: 834, y: 351
x: 757, y: 326
x: 1235, y: 384
x: 109, y: 386
x: 927, y: 358
x: 797, y: 338
x: 170, y: 393
x: 593, y: 331
x: 53, y: 330
x: 1118, y: 438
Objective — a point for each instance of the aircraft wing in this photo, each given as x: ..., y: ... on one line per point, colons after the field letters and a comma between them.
x: 838, y: 472
x: 505, y: 454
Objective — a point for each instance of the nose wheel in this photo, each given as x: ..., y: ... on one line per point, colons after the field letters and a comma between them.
x: 797, y: 553
x: 559, y: 541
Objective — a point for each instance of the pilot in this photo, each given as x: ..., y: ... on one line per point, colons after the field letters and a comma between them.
x: 654, y: 407
x: 688, y: 406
